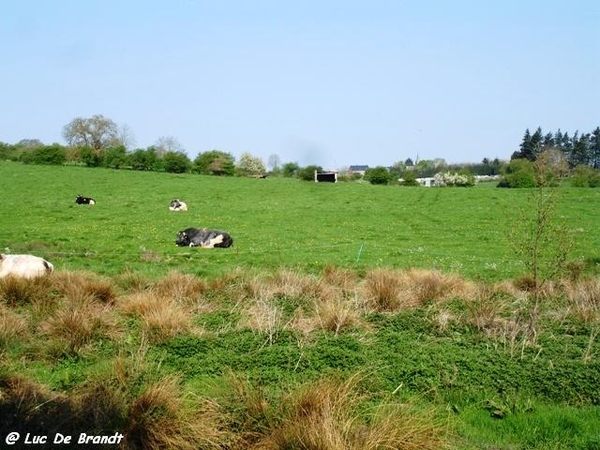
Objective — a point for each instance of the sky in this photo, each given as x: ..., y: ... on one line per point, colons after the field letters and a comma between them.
x: 331, y: 83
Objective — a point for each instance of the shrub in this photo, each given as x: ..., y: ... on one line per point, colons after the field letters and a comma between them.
x: 378, y: 175
x: 214, y: 162
x: 308, y: 173
x: 176, y: 162
x: 585, y: 176
x: 410, y: 178
x: 454, y: 179
x: 519, y: 173
x: 48, y: 154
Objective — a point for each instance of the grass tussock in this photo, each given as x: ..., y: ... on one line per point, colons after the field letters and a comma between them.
x: 180, y: 287
x: 130, y: 281
x: 338, y: 314
x: 16, y: 291
x: 154, y: 415
x: 77, y: 324
x: 13, y: 328
x: 302, y: 302
x: 584, y: 299
x: 330, y: 414
x: 84, y: 285
x: 391, y: 290
x: 161, y: 317
x: 162, y: 418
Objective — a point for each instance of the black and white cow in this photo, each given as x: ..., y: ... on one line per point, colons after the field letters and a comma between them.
x: 81, y: 200
x: 24, y: 266
x: 177, y: 205
x: 203, y: 237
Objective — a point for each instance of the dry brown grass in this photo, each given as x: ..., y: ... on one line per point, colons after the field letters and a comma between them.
x: 338, y: 314
x: 30, y: 407
x: 180, y: 287
x: 84, y: 285
x: 162, y: 418
x: 16, y: 291
x: 77, y: 324
x: 330, y: 415
x: 392, y: 290
x: 486, y: 308
x: 130, y: 281
x: 583, y: 298
x: 162, y: 318
x: 327, y: 303
x: 13, y: 327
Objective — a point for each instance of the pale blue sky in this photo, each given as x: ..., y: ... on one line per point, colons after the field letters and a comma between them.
x: 324, y: 82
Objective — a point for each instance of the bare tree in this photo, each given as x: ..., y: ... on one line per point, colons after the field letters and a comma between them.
x: 274, y: 162
x: 97, y: 133
x: 126, y: 136
x: 165, y: 144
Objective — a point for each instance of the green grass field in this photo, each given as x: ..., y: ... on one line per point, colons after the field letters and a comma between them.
x: 346, y: 316
x: 274, y: 222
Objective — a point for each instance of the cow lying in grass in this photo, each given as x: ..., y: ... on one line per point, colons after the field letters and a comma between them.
x: 24, y: 266
x: 81, y: 200
x: 177, y: 205
x: 196, y: 237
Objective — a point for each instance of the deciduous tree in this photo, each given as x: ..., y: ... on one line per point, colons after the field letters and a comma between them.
x: 214, y: 162
x: 249, y: 165
x: 96, y: 133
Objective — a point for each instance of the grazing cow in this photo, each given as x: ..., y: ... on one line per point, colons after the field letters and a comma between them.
x: 81, y: 200
x: 177, y: 205
x: 205, y: 238
x: 24, y: 266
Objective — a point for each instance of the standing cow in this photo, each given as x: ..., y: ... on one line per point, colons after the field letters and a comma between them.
x: 24, y: 266
x: 205, y: 238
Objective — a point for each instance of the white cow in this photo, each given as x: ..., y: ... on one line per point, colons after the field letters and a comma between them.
x: 24, y: 266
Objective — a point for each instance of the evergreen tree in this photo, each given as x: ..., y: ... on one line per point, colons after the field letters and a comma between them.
x: 566, y: 145
x: 594, y: 148
x: 579, y: 154
x: 548, y: 141
x: 558, y: 139
x: 536, y: 142
x: 524, y: 148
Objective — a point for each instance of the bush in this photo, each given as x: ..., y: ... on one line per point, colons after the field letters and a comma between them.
x: 48, y: 154
x: 518, y: 174
x: 585, y: 176
x: 454, y: 179
x: 378, y: 175
x: 176, y: 162
x: 214, y: 162
x: 308, y: 173
x: 410, y: 178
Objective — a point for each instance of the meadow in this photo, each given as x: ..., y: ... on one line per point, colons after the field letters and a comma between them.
x: 274, y: 223
x: 345, y: 316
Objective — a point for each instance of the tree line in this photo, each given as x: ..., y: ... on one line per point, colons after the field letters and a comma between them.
x: 99, y: 142
x: 578, y: 150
